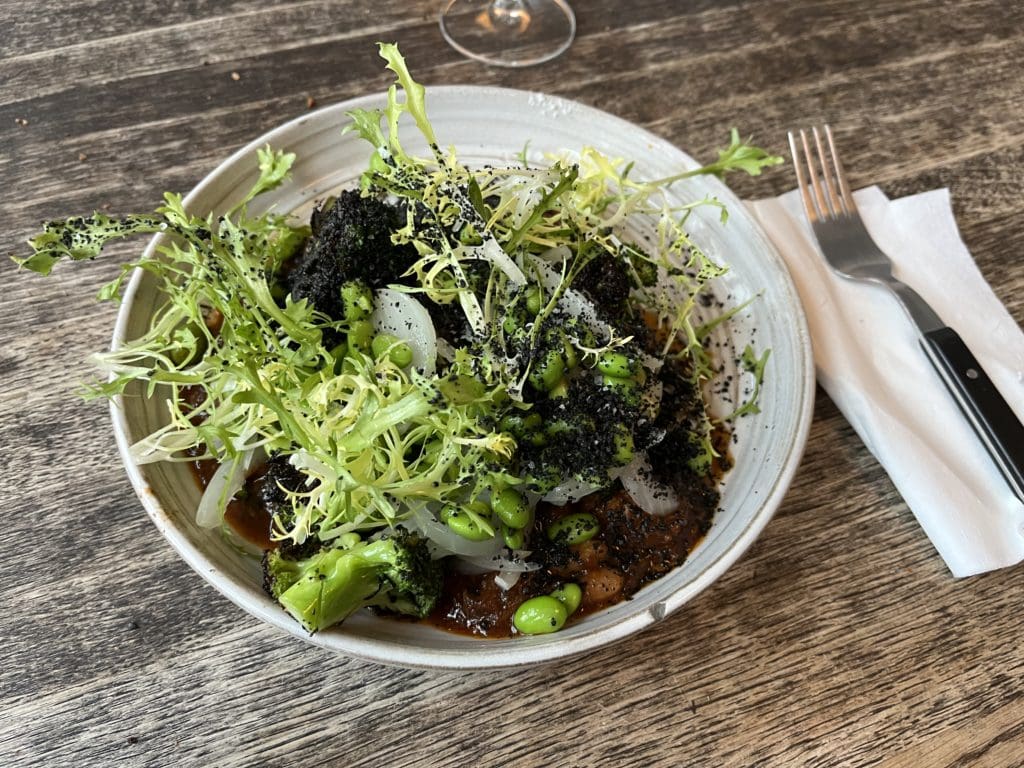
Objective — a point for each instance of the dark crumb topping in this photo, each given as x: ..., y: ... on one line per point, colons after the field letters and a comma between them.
x: 351, y: 240
x: 580, y: 438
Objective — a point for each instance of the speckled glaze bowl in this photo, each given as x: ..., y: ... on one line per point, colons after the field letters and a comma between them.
x: 492, y: 125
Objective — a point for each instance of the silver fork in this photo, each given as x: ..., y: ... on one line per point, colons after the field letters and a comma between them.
x: 850, y: 251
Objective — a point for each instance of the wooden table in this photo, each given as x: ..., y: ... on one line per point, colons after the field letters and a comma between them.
x: 840, y: 639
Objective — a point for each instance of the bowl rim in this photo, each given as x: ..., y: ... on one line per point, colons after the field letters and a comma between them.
x: 526, y: 651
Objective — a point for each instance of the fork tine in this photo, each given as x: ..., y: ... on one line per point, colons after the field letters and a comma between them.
x: 819, y: 195
x: 835, y: 204
x: 851, y: 207
x: 801, y: 182
x: 805, y: 192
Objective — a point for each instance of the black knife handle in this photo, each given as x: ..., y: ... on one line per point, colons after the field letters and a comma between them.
x: 990, y: 415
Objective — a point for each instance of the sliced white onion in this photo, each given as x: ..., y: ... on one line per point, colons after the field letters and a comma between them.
x: 225, y: 483
x: 574, y: 302
x: 651, y: 496
x: 557, y: 255
x: 569, y: 491
x: 507, y: 579
x: 494, y: 253
x: 402, y: 316
x: 517, y: 563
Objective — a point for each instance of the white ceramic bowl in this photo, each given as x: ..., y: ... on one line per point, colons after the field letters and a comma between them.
x: 492, y: 125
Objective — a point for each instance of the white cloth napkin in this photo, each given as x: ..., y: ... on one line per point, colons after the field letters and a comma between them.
x: 869, y: 361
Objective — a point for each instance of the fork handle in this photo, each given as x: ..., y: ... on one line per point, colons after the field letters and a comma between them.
x: 989, y: 414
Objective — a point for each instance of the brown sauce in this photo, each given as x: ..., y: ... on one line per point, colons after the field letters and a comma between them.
x: 631, y: 549
x: 249, y: 520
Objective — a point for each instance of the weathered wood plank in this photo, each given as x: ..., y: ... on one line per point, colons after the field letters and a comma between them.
x: 838, y: 640
x: 33, y: 27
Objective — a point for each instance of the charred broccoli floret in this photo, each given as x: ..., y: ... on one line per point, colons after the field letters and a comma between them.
x: 351, y: 241
x: 394, y: 572
x: 271, y: 488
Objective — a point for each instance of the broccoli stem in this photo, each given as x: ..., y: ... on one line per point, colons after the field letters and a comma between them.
x: 335, y: 585
x: 394, y: 572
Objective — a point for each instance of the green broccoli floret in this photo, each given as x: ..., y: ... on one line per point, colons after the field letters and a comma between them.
x: 394, y: 572
x: 351, y: 241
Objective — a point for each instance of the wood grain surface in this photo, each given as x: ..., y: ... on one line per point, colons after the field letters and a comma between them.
x: 839, y: 640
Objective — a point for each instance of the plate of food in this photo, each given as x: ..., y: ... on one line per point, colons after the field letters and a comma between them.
x: 461, y: 378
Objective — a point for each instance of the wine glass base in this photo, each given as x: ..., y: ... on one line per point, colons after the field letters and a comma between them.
x: 508, y: 34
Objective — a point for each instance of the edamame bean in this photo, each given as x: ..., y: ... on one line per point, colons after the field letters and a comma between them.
x: 515, y: 538
x: 464, y: 524
x: 525, y: 428
x: 615, y: 364
x: 360, y: 335
x: 398, y: 351
x: 547, y: 371
x: 623, y: 445
x: 511, y: 508
x: 540, y: 615
x: 518, y: 424
x: 561, y: 389
x: 533, y: 300
x: 381, y: 342
x: 570, y: 595
x: 357, y: 300
x: 624, y: 385
x: 627, y: 388
x: 480, y: 508
x: 401, y: 355
x: 574, y: 529
x: 512, y: 423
